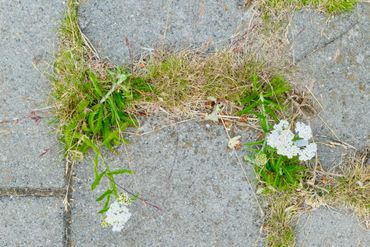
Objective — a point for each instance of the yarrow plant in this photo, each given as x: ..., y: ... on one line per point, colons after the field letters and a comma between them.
x: 118, y: 213
x: 292, y: 144
x: 277, y: 158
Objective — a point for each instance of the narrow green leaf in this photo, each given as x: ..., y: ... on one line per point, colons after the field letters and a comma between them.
x: 106, y: 205
x: 88, y: 142
x: 97, y: 180
x: 113, y: 185
x: 102, y: 196
x: 120, y: 171
x: 95, y: 83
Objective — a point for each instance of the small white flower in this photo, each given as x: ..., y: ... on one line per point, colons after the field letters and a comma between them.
x: 283, y: 142
x: 303, y: 130
x: 308, y: 152
x: 280, y: 138
x: 282, y: 125
x: 289, y: 150
x: 117, y: 215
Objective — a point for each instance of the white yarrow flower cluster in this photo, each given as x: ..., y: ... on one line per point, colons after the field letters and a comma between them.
x: 304, y: 131
x: 282, y: 138
x: 117, y: 215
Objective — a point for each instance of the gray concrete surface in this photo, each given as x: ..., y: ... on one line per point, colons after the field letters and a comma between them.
x: 30, y: 158
x: 188, y: 172
x: 334, y: 62
x: 158, y: 24
x: 325, y: 228
x: 185, y: 169
x: 28, y: 39
x: 31, y: 221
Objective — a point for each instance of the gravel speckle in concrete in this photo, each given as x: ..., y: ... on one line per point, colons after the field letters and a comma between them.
x: 29, y: 154
x: 338, y: 76
x: 155, y: 24
x: 27, y: 221
x: 324, y: 227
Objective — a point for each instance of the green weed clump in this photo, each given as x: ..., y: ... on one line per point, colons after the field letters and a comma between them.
x: 181, y: 79
x: 279, y: 227
x: 91, y: 102
x: 265, y: 100
x: 327, y: 6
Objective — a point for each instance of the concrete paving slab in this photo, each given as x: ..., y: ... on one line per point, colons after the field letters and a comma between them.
x: 337, y: 74
x: 28, y: 39
x: 161, y: 23
x: 325, y: 227
x: 310, y: 30
x: 188, y: 172
x: 31, y: 221
x: 30, y: 156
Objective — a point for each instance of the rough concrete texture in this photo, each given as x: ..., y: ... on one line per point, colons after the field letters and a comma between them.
x: 27, y: 221
x: 30, y: 156
x: 28, y: 37
x: 334, y: 63
x: 188, y: 172
x: 324, y: 227
x: 155, y: 24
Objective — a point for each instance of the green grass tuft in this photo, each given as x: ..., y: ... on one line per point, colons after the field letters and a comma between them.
x: 327, y: 6
x: 279, y: 224
x: 348, y: 187
x: 182, y: 80
x: 91, y: 101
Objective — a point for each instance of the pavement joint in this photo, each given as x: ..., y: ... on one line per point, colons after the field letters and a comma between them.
x: 34, y: 192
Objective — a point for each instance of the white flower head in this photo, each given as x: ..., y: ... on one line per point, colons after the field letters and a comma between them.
x: 117, y: 215
x: 289, y: 150
x: 304, y: 131
x: 308, y: 152
x: 283, y: 140
x: 282, y: 125
x: 280, y: 137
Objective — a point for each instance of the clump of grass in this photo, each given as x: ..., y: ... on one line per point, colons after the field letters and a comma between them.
x: 351, y: 187
x: 91, y: 101
x: 347, y: 187
x: 266, y: 101
x: 278, y: 227
x: 186, y: 78
x: 327, y: 6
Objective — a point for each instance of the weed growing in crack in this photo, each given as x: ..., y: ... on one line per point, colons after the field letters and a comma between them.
x: 277, y: 158
x: 91, y: 103
x: 291, y: 187
x: 279, y: 224
x: 346, y: 187
x: 327, y: 6
x: 275, y: 166
x: 185, y: 80
x: 265, y: 99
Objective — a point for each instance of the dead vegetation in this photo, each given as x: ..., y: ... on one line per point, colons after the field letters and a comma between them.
x: 348, y: 188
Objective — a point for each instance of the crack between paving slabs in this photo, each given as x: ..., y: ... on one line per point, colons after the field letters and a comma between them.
x: 67, y: 212
x: 318, y: 47
x: 32, y: 192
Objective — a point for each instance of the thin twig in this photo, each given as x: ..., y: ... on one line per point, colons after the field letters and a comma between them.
x: 242, y: 168
x: 145, y: 201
